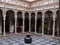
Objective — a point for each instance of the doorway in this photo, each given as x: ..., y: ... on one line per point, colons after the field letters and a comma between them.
x: 10, y: 22
x: 26, y: 22
x: 19, y: 22
x: 39, y: 22
x: 48, y: 23
x: 32, y: 22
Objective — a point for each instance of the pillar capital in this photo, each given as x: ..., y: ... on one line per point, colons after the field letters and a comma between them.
x: 36, y: 12
x: 4, y: 15
x: 15, y: 13
x: 4, y: 18
x: 54, y: 14
x: 23, y: 12
x: 15, y: 16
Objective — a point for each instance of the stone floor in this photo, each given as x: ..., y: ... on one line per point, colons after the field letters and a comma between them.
x: 19, y: 40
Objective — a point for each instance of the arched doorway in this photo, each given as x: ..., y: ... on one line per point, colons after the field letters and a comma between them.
x: 26, y: 22
x: 48, y: 23
x: 1, y: 21
x: 32, y: 22
x: 10, y: 22
x: 39, y: 22
x: 19, y: 22
x: 57, y: 24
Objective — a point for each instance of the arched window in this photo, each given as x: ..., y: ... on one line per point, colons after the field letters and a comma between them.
x: 48, y: 23
x: 26, y: 22
x: 10, y: 21
x: 19, y: 22
x: 39, y: 22
x: 33, y: 22
x: 57, y: 24
x: 1, y: 21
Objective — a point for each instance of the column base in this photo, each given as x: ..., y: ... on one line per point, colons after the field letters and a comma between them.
x: 52, y: 35
x: 34, y: 32
x: 16, y: 33
x: 4, y: 34
x: 42, y: 34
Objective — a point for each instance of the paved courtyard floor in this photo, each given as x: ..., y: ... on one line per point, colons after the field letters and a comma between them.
x: 19, y: 40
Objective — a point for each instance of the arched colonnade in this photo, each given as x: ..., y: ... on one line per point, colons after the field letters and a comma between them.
x: 30, y: 22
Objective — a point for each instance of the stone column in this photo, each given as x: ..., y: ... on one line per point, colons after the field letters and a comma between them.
x: 35, y: 21
x: 43, y: 23
x: 4, y: 18
x: 54, y: 15
x: 29, y: 21
x: 23, y: 21
x: 15, y: 22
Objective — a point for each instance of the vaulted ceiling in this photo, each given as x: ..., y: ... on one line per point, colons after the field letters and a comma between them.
x: 30, y: 1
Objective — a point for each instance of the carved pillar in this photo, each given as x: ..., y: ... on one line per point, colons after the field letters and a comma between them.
x: 54, y: 16
x: 43, y: 23
x: 23, y: 20
x: 29, y: 21
x: 4, y: 18
x: 15, y: 22
x: 35, y: 21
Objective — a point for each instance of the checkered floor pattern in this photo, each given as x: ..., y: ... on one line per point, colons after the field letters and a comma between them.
x: 19, y: 40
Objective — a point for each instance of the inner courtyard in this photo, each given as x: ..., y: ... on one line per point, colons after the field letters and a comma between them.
x: 39, y: 18
x: 36, y: 40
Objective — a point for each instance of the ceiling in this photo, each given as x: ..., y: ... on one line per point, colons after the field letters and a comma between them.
x: 30, y: 0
